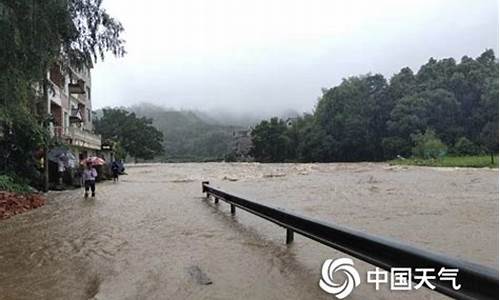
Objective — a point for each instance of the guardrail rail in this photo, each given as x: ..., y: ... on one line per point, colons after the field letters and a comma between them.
x: 477, y: 281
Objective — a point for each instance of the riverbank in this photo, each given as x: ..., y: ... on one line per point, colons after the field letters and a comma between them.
x: 478, y: 161
x: 15, y: 203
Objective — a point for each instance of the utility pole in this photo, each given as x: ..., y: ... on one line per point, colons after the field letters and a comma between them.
x: 45, y: 145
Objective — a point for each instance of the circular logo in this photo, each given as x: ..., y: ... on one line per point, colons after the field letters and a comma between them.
x: 344, y: 265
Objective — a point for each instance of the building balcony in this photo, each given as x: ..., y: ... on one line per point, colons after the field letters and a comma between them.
x: 79, y: 79
x: 77, y: 88
x: 78, y: 99
x: 76, y: 136
x: 75, y: 116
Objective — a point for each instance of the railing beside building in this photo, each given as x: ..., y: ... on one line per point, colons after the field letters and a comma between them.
x: 58, y: 131
x: 477, y: 282
x: 78, y: 98
x: 78, y: 137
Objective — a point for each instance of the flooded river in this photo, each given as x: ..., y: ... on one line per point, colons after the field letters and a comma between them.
x: 142, y: 237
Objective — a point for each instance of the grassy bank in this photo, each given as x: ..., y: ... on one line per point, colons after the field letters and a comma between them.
x: 479, y: 161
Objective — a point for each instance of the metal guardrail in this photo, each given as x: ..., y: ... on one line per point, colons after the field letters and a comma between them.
x: 477, y: 281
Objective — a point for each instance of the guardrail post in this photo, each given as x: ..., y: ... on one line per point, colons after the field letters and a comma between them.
x: 203, y: 189
x: 233, y: 209
x: 289, y: 236
x: 216, y: 200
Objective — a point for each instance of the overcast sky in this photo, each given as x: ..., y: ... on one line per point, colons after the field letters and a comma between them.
x: 272, y: 55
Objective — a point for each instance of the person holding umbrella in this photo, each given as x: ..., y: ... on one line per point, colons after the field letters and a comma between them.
x: 88, y: 177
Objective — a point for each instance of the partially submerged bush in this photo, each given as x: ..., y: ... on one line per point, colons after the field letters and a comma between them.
x: 428, y: 145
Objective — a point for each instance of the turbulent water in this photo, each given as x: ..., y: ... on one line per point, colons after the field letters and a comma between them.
x: 154, y: 236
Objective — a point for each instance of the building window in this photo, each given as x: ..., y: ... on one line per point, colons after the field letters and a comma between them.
x: 66, y: 120
x: 88, y: 94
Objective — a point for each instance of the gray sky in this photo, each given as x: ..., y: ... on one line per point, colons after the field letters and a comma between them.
x: 271, y: 55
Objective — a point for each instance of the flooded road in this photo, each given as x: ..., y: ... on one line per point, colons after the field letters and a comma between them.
x: 142, y: 237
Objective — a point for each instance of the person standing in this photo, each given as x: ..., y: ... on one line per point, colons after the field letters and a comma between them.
x: 88, y: 177
x: 115, y: 168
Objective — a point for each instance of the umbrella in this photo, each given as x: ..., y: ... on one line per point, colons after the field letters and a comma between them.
x: 96, y: 161
x: 62, y: 154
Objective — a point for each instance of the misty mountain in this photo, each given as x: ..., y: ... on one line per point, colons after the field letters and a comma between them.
x: 197, y: 135
x: 189, y: 135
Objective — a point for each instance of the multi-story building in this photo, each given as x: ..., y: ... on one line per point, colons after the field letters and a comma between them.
x: 70, y: 105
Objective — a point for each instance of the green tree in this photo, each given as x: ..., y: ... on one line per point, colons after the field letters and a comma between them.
x: 403, y: 84
x: 464, y: 146
x: 138, y: 137
x: 435, y: 109
x: 489, y: 139
x: 270, y: 141
x: 354, y: 115
x: 20, y: 135
x: 445, y: 105
x: 488, y: 111
x: 476, y: 78
x: 315, y: 145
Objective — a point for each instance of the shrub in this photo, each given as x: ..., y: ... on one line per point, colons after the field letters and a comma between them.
x: 231, y: 157
x: 465, y: 147
x: 9, y: 184
x: 20, y: 135
x: 395, y: 146
x: 428, y: 145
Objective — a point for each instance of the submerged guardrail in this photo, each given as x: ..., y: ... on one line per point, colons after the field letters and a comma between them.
x: 477, y: 281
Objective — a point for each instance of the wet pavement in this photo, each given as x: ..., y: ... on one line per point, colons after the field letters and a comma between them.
x: 154, y: 236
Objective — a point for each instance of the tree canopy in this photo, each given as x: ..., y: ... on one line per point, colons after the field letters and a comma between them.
x: 270, y: 141
x: 446, y: 105
x: 136, y: 135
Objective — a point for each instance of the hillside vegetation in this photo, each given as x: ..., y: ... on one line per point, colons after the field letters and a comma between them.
x: 186, y: 136
x: 444, y: 108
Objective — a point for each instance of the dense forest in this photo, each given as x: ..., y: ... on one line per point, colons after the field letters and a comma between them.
x: 444, y: 108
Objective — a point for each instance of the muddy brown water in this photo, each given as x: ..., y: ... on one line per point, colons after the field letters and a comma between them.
x: 142, y: 237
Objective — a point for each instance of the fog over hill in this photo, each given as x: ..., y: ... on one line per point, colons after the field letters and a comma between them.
x: 196, y: 135
x: 247, y: 119
x: 214, y: 117
x: 189, y: 135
